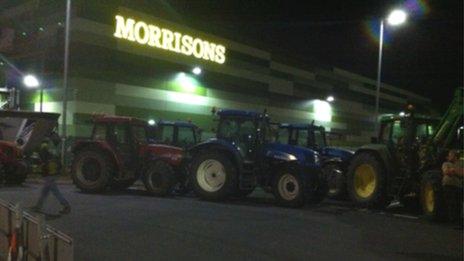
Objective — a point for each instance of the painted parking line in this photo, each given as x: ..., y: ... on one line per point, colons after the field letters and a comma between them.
x: 405, y: 216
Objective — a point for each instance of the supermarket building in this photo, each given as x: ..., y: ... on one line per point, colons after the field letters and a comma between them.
x: 127, y: 62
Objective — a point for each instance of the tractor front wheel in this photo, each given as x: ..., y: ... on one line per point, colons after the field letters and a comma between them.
x: 289, y: 188
x: 431, y: 196
x: 92, y: 170
x: 214, y: 176
x: 159, y: 178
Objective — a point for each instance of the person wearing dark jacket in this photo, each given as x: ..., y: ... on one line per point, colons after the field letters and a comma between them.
x: 50, y: 169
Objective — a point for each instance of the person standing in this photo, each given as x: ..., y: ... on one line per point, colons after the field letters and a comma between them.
x: 50, y: 169
x: 453, y: 172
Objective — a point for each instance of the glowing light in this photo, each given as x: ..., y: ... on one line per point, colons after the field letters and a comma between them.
x: 187, y: 98
x: 402, y: 113
x: 197, y: 70
x: 397, y: 17
x: 154, y: 36
x: 330, y: 98
x: 31, y: 81
x: 322, y: 111
x: 186, y: 83
x: 151, y: 122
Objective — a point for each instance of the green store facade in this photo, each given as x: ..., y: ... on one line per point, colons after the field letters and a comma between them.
x: 132, y: 63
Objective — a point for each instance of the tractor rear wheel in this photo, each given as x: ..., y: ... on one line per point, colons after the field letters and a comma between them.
x: 214, y: 176
x: 159, y: 178
x: 92, y: 170
x: 289, y: 188
x: 431, y: 196
x: 366, y: 181
x: 336, y: 181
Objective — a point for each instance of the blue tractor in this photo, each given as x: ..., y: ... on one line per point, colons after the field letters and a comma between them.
x: 334, y: 161
x: 245, y: 155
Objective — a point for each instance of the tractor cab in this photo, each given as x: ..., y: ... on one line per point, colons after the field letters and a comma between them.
x: 245, y: 130
x: 125, y: 136
x: 176, y: 133
x: 304, y: 135
x: 406, y: 130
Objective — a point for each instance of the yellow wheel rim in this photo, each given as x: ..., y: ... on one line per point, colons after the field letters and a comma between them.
x: 365, y: 180
x: 428, y: 198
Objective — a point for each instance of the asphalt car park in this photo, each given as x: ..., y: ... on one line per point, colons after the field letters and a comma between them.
x: 132, y: 225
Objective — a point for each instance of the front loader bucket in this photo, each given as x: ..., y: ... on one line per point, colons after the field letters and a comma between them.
x: 27, y: 129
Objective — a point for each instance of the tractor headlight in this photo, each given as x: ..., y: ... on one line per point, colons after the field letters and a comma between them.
x: 317, y: 160
x: 292, y: 157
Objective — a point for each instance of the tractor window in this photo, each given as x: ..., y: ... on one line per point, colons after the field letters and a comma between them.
x: 100, y: 132
x: 319, y: 138
x: 140, y: 134
x: 247, y: 130
x: 302, y: 138
x: 185, y: 137
x: 228, y: 129
x: 167, y: 134
x: 283, y: 135
x: 398, y: 132
x: 421, y: 131
x: 385, y: 132
x: 120, y: 134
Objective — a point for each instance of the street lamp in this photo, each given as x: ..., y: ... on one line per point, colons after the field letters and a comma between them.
x: 395, y: 18
x: 30, y: 81
x: 196, y: 70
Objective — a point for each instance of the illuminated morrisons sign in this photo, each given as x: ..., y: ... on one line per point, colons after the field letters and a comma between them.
x: 163, y: 38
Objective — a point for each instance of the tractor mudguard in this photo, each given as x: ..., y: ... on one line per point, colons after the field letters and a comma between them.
x: 219, y: 145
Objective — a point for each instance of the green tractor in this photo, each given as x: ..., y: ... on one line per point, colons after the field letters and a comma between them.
x: 405, y: 159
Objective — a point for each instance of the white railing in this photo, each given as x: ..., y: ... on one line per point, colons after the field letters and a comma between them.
x: 27, y: 237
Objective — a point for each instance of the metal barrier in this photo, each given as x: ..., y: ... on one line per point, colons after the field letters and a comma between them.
x: 25, y: 237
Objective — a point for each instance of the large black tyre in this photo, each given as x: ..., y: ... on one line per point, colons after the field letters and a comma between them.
x: 159, y: 178
x: 18, y: 176
x: 214, y: 176
x: 122, y: 184
x: 431, y: 196
x: 289, y: 188
x: 92, y: 170
x: 366, y: 181
x: 336, y: 181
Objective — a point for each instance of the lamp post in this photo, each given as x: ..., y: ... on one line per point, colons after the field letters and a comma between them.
x: 65, y: 84
x: 395, y: 18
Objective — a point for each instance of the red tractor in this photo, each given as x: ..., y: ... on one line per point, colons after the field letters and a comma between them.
x: 117, y: 154
x: 20, y: 133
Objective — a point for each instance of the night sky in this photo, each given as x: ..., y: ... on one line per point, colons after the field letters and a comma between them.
x: 425, y: 55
